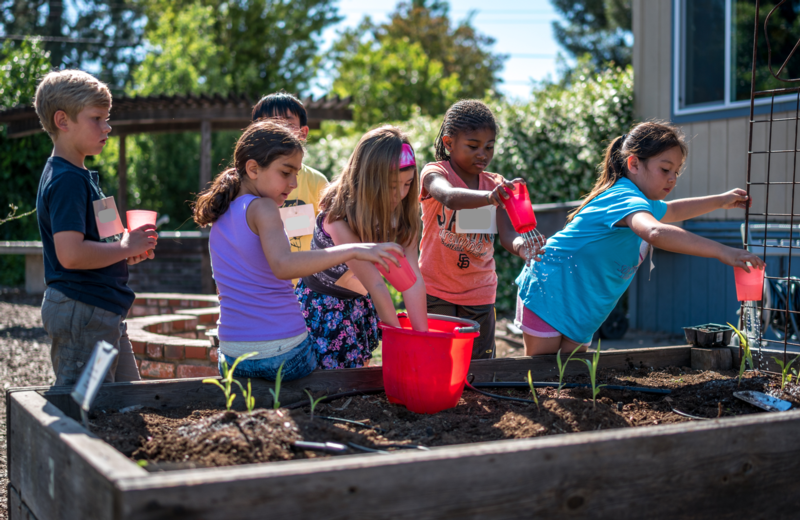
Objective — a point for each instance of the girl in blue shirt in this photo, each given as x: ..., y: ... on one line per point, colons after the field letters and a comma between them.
x: 589, y: 264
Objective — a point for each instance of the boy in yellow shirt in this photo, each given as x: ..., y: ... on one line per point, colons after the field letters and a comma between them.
x: 310, y: 183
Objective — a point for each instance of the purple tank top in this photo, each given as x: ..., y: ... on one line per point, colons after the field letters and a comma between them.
x: 254, y: 304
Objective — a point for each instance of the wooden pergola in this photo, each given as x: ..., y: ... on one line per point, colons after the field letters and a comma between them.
x: 179, y: 113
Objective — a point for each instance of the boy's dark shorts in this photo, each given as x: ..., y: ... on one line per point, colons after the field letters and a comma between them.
x: 75, y: 328
x: 484, y: 347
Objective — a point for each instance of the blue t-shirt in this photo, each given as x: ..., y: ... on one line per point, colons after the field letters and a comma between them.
x: 588, y: 265
x: 64, y: 203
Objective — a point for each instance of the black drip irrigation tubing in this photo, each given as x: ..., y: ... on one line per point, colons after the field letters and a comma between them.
x: 642, y: 389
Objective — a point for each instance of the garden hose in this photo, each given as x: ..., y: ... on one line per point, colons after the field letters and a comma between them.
x: 523, y: 384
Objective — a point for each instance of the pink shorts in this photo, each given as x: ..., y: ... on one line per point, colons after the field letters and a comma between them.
x: 531, y: 324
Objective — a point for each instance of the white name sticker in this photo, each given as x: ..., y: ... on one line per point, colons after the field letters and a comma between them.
x: 478, y: 220
x: 298, y: 220
x: 107, y: 217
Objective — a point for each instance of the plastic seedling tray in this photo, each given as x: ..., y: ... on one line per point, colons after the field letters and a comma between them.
x: 708, y: 335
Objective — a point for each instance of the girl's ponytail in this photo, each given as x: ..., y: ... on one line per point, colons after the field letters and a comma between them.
x: 216, y: 200
x: 644, y: 141
x: 262, y: 142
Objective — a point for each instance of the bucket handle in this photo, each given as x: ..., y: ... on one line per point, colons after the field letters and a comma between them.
x: 473, y: 325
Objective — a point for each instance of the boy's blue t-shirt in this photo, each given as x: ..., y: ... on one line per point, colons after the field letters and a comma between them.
x: 588, y: 265
x: 64, y: 203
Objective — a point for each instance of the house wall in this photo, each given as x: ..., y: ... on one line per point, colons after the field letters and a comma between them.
x: 684, y: 290
x: 717, y: 159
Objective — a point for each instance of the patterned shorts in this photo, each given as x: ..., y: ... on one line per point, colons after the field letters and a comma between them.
x: 345, y: 331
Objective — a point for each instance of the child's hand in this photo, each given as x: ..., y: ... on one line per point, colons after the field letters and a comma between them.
x: 740, y: 258
x: 736, y: 199
x: 147, y: 255
x: 523, y: 251
x: 140, y: 240
x: 499, y: 193
x: 379, y: 253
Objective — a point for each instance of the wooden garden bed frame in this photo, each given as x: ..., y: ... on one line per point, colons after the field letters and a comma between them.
x: 725, y: 468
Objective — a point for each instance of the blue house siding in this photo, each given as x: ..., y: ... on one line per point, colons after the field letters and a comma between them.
x: 688, y: 290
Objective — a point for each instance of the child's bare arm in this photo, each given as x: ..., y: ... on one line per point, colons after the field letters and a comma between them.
x: 685, y: 209
x: 461, y: 198
x: 75, y: 252
x: 366, y: 273
x: 677, y: 240
x: 264, y: 218
x: 415, y: 297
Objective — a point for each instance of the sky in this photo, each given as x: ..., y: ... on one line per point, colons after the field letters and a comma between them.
x: 521, y: 28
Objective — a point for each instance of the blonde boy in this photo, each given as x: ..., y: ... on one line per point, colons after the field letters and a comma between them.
x: 87, y: 296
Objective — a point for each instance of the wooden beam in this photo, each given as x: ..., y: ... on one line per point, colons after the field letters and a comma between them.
x: 122, y: 180
x: 54, y: 462
x: 205, y: 154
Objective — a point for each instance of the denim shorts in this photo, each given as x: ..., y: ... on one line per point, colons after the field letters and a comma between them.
x: 297, y: 363
x: 75, y: 328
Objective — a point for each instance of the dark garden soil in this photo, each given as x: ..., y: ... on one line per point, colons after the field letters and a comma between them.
x: 180, y: 438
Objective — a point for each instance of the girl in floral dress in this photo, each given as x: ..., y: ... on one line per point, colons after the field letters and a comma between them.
x: 373, y: 200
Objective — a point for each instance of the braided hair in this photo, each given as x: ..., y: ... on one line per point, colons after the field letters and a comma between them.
x: 466, y: 115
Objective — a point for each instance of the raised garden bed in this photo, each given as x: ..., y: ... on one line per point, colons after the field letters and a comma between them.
x: 721, y: 468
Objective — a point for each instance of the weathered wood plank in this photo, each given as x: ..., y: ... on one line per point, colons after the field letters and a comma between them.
x: 183, y: 392
x: 729, y: 468
x: 58, y: 469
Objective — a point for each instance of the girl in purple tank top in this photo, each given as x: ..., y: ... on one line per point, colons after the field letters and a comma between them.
x: 252, y: 261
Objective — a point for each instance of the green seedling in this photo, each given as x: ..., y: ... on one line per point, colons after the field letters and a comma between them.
x: 748, y: 356
x: 533, y: 391
x: 277, y: 391
x: 562, y: 368
x: 249, y: 400
x: 592, y: 365
x: 227, y: 379
x: 786, y: 377
x: 313, y: 402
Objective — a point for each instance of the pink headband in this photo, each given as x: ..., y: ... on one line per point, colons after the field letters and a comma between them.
x: 407, y: 157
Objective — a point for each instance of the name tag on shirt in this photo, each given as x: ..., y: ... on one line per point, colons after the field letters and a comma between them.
x: 298, y: 220
x: 107, y: 218
x: 478, y: 220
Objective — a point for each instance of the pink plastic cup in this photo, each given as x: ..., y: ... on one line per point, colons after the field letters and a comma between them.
x: 140, y: 217
x: 519, y: 209
x: 401, y: 278
x: 749, y: 286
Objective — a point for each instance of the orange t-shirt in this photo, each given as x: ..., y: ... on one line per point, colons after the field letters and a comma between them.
x: 457, y: 267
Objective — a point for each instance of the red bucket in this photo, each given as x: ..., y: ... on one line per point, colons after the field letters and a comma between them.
x: 425, y: 371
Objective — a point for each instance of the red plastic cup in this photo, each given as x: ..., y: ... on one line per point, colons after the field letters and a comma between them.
x: 140, y: 217
x: 749, y: 286
x: 519, y: 209
x: 401, y: 278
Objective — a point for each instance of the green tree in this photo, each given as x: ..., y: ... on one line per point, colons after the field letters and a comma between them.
x: 22, y: 63
x: 600, y: 28
x: 99, y: 34
x: 417, y: 62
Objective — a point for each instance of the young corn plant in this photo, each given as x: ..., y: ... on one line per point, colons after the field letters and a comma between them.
x: 562, y: 368
x: 250, y: 401
x: 313, y: 402
x: 533, y: 391
x: 227, y: 380
x: 748, y: 355
x: 277, y: 391
x: 786, y: 377
x: 592, y: 365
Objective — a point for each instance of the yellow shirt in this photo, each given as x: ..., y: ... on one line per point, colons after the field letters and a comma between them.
x: 310, y: 184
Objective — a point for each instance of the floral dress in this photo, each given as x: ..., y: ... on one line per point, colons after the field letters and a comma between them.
x: 343, y: 323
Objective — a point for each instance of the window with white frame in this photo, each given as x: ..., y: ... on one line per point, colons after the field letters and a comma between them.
x: 714, y: 51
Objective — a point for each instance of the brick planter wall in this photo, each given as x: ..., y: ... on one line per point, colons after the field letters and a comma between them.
x: 174, y: 344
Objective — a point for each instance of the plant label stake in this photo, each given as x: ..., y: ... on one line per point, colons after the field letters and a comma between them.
x: 92, y: 377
